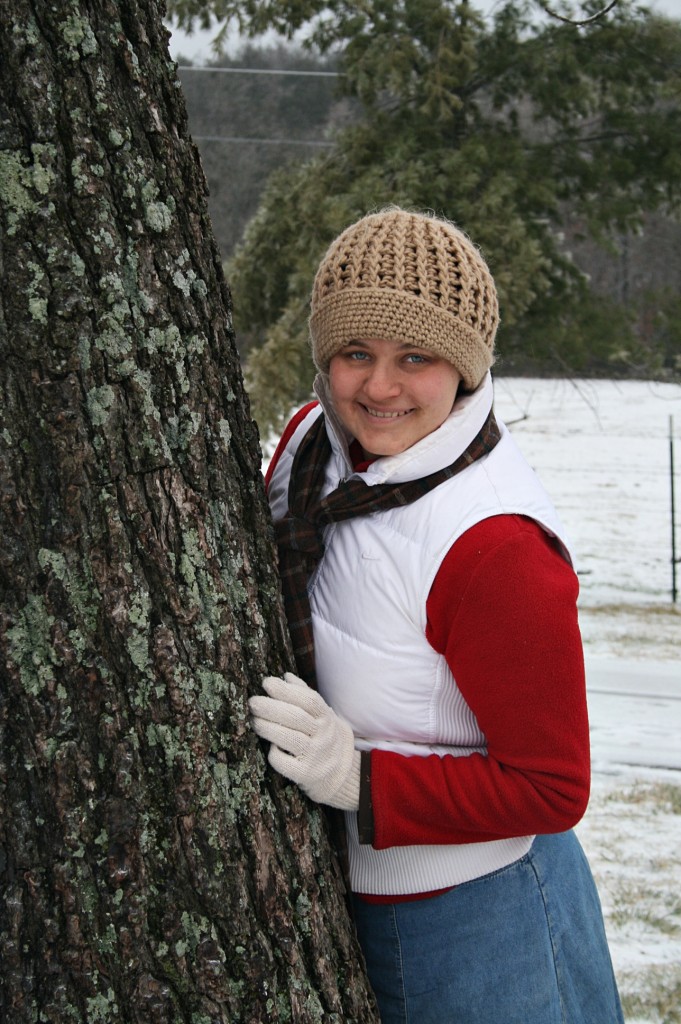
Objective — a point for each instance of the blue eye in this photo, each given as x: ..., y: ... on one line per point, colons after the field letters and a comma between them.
x: 358, y: 355
x: 416, y: 358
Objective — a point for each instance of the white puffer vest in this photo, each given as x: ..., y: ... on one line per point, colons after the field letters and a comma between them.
x: 368, y: 602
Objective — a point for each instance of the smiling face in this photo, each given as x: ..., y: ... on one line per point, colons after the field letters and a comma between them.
x: 389, y: 395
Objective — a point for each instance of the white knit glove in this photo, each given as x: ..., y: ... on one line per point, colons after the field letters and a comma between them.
x: 311, y: 745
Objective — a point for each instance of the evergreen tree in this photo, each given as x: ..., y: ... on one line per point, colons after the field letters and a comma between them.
x: 523, y: 130
x: 249, y: 124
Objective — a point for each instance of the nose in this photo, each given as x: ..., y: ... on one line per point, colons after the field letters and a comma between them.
x: 381, y: 382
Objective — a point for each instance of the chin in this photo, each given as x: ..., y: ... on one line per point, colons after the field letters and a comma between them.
x: 382, y: 450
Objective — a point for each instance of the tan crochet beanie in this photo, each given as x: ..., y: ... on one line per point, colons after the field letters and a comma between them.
x: 406, y: 277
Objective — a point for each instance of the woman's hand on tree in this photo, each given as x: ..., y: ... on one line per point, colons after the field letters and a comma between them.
x: 311, y: 745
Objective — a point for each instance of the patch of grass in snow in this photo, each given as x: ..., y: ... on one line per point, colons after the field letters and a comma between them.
x: 643, y: 612
x: 663, y: 796
x: 632, y: 630
x: 653, y: 996
x: 639, y: 883
x: 634, y: 902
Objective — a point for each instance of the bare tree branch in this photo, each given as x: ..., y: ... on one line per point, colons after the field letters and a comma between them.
x: 584, y: 21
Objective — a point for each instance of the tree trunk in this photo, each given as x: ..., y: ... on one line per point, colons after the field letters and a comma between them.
x: 152, y: 868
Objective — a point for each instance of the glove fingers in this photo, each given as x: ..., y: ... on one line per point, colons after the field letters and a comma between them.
x: 294, y: 680
x: 283, y: 714
x: 289, y: 740
x: 298, y: 694
x: 289, y: 678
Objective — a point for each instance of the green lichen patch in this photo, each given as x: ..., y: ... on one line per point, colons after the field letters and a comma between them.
x: 30, y: 645
x: 79, y: 37
x: 214, y: 690
x: 102, y: 1008
x: 37, y: 302
x: 26, y: 32
x: 175, y: 748
x: 25, y: 182
x: 138, y: 640
x: 80, y: 589
x: 116, y: 138
x: 158, y: 214
x: 225, y: 432
x: 100, y: 401
x: 164, y: 339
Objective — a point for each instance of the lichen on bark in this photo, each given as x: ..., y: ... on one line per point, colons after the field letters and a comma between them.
x: 152, y: 868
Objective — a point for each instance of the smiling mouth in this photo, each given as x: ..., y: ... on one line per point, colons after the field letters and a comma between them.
x: 389, y: 415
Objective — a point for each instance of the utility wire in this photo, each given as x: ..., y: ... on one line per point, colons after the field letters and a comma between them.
x: 260, y: 71
x: 269, y: 142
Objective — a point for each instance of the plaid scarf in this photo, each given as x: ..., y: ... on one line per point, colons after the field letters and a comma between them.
x: 300, y: 534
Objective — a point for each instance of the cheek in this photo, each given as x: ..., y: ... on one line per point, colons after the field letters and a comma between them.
x: 340, y: 384
x: 440, y: 399
x: 449, y: 390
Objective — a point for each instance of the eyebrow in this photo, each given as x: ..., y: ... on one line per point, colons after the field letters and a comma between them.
x: 403, y: 344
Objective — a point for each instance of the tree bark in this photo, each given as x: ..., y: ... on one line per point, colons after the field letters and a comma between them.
x: 152, y: 868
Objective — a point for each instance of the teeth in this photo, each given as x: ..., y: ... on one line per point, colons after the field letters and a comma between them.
x: 386, y: 415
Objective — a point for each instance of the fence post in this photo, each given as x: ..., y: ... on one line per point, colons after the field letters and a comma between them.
x: 675, y: 560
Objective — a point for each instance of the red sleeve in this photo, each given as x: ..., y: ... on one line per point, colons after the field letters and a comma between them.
x: 503, y: 612
x: 286, y: 437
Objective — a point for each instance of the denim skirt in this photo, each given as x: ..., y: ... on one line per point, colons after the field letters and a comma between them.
x: 523, y: 945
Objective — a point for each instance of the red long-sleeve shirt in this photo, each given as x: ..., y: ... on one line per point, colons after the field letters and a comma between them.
x: 502, y: 611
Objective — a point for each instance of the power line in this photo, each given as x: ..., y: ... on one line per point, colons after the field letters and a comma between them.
x: 268, y: 142
x: 260, y: 71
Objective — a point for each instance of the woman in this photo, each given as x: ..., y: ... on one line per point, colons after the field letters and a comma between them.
x: 432, y: 605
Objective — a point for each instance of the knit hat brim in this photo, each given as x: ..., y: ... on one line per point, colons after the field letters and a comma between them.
x: 363, y: 313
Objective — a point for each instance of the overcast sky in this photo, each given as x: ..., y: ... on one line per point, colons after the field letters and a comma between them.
x: 196, y: 47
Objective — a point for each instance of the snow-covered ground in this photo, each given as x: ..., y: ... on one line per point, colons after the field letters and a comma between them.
x: 602, y: 450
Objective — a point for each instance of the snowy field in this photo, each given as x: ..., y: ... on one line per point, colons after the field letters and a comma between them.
x: 602, y: 450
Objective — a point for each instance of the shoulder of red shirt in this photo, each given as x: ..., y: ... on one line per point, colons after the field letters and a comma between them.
x: 289, y: 431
